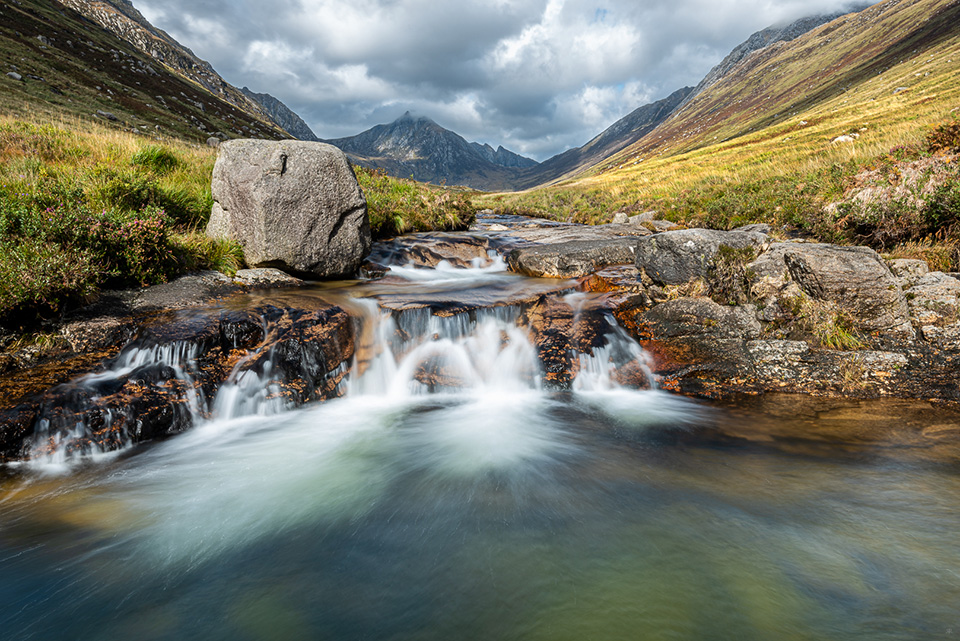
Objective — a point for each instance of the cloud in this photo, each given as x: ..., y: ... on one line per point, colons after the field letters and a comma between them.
x: 537, y: 76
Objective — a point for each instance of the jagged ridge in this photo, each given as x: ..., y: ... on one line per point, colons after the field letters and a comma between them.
x: 418, y: 147
x: 282, y: 115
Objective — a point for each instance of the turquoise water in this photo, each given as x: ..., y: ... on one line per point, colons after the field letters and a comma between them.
x: 397, y: 520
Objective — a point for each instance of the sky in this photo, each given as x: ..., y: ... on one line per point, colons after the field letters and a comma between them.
x: 536, y: 76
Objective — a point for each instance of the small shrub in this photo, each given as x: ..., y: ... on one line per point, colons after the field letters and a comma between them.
x: 831, y: 326
x: 108, y: 188
x: 696, y: 288
x: 187, y: 208
x: 196, y: 251
x: 940, y: 251
x: 39, y: 278
x: 729, y: 276
x: 944, y: 138
x: 398, y: 206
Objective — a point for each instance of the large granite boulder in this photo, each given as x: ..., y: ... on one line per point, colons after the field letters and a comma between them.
x: 293, y: 205
x: 677, y: 257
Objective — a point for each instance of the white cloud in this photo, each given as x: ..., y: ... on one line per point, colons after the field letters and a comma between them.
x: 537, y: 76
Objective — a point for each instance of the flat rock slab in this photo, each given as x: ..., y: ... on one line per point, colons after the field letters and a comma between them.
x: 571, y: 259
x: 562, y: 233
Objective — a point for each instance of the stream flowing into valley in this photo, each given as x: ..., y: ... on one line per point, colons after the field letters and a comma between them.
x: 453, y: 492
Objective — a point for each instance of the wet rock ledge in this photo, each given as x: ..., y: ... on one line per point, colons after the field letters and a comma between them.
x: 739, y: 312
x: 139, y: 365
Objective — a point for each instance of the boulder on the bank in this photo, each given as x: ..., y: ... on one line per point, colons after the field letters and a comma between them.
x: 857, y: 279
x: 677, y: 257
x: 293, y: 205
x: 571, y: 259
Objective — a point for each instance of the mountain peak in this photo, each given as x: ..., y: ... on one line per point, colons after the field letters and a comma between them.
x: 408, y: 117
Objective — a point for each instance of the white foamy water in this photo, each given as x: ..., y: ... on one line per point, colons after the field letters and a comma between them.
x: 481, y: 271
x: 56, y: 448
x: 456, y: 397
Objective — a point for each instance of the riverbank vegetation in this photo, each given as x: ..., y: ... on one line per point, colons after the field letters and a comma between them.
x: 398, y: 206
x: 84, y: 207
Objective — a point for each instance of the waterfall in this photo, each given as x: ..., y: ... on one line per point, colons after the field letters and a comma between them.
x: 408, y: 353
x: 87, y: 429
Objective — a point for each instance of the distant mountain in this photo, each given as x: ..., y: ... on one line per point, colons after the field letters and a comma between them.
x: 282, y: 115
x: 617, y: 136
x: 418, y: 147
x: 69, y: 64
x: 503, y: 157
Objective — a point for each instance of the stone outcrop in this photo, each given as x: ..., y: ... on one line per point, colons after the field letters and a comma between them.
x: 822, y: 319
x: 676, y: 257
x: 856, y: 278
x: 293, y: 205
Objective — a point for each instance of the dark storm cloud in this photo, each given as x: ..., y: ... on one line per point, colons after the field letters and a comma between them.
x: 537, y: 76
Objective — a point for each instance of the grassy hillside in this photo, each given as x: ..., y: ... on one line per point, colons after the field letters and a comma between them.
x: 758, y: 146
x: 70, y: 66
x: 84, y: 207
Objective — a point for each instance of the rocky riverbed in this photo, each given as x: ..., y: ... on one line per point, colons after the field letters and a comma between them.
x: 718, y: 314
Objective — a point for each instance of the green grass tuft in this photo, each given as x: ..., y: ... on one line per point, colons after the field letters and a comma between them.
x: 397, y: 206
x: 155, y: 158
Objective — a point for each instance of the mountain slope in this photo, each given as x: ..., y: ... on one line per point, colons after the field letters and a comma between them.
x: 419, y: 148
x: 854, y: 56
x: 762, y: 39
x: 282, y: 115
x: 121, y: 18
x: 617, y: 136
x: 69, y: 65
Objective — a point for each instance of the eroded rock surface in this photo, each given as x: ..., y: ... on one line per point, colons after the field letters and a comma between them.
x: 170, y: 374
x: 676, y: 257
x: 293, y: 205
x: 857, y: 279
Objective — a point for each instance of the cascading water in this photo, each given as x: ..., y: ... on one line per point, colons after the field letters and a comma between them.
x: 86, y: 430
x: 480, y: 353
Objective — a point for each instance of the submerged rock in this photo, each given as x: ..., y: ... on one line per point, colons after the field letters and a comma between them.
x: 293, y: 205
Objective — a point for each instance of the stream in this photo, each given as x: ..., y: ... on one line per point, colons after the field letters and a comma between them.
x: 452, y: 492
